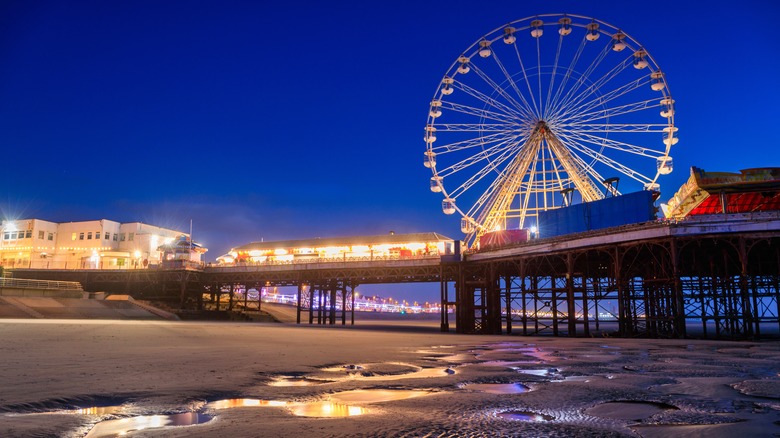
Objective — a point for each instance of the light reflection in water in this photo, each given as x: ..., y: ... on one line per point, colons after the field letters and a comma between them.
x: 540, y: 373
x: 313, y: 409
x: 336, y: 408
x: 327, y: 409
x: 414, y: 372
x: 98, y: 410
x: 376, y: 395
x: 497, y: 388
x: 297, y: 381
x: 123, y: 426
x: 245, y: 403
x: 525, y: 416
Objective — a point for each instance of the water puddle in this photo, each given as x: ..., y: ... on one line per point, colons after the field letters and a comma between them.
x: 434, y: 352
x: 628, y: 410
x: 245, y: 403
x: 338, y: 405
x: 298, y: 381
x: 497, y: 388
x: 525, y: 416
x: 543, y: 372
x: 123, y: 426
x: 585, y: 379
x: 310, y: 409
x: 376, y: 395
x: 388, y: 371
x: 528, y: 350
x: 97, y: 410
x: 351, y: 368
x: 458, y: 358
x: 504, y: 363
x: 327, y: 409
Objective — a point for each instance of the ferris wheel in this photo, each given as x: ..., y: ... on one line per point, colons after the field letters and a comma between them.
x: 544, y: 112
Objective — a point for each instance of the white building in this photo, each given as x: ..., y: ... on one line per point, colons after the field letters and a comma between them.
x: 99, y: 244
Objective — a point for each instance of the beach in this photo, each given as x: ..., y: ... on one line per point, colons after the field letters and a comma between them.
x: 76, y: 378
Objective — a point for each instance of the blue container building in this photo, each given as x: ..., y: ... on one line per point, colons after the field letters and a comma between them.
x: 620, y: 210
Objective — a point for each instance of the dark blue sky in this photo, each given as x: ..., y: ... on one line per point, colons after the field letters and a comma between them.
x: 282, y: 120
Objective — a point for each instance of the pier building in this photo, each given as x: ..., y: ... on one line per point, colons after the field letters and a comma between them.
x: 95, y: 244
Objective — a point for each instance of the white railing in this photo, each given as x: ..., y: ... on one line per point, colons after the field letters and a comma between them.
x: 23, y: 283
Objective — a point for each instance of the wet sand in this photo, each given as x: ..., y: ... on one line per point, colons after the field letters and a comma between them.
x: 391, y: 378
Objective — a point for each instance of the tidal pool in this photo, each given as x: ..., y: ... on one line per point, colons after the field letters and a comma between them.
x: 497, y: 388
x: 376, y: 395
x: 123, y: 426
x: 327, y: 409
x: 525, y: 416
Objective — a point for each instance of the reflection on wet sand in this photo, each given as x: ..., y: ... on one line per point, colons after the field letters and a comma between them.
x: 376, y: 395
x: 123, y: 426
x: 98, y: 410
x: 245, y: 403
x: 327, y: 409
x: 524, y: 416
x: 497, y: 388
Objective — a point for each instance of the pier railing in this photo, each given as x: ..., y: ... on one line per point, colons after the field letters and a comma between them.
x: 23, y: 283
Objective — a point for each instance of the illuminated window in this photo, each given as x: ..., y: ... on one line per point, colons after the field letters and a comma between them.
x: 51, y: 236
x: 41, y: 234
x: 73, y: 236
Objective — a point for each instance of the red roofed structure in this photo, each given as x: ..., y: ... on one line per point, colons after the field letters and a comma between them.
x: 751, y: 190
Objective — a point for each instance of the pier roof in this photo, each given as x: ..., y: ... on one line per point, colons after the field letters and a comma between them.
x: 347, y: 240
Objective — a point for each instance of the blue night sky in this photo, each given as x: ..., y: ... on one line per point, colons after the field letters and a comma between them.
x: 287, y: 120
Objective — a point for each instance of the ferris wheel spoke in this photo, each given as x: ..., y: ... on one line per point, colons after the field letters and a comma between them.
x: 473, y: 142
x: 497, y: 88
x: 528, y: 194
x: 527, y: 80
x: 574, y: 170
x: 568, y: 74
x: 614, y: 111
x: 575, y: 101
x: 595, y: 177
x: 617, y: 145
x: 539, y: 73
x: 582, y: 79
x: 613, y: 127
x: 625, y: 170
x: 474, y: 127
x: 509, y: 183
x: 592, y: 173
x: 547, y: 103
x: 607, y: 97
x: 498, y: 149
x: 518, y: 112
x: 588, y: 168
x: 524, y: 106
x: 480, y: 174
x: 477, y: 112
